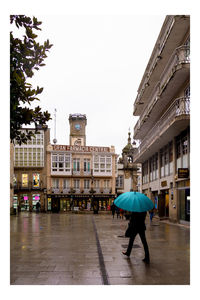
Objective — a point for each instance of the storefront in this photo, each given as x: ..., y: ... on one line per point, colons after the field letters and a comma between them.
x: 61, y: 203
x: 15, y: 201
x: 24, y: 202
x: 163, y: 204
x: 35, y: 199
x: 154, y: 198
x: 183, y: 195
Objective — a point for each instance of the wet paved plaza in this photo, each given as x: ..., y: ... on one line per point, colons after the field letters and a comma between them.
x: 85, y: 249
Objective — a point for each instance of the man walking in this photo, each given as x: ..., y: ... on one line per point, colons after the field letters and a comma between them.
x: 137, y: 226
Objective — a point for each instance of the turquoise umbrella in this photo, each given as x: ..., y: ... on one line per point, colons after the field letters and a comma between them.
x: 134, y: 201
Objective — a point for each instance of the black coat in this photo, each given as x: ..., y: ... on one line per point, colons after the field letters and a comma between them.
x: 137, y: 222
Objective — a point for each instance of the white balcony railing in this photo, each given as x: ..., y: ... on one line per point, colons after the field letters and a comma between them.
x: 66, y: 190
x: 181, y: 106
x: 181, y: 55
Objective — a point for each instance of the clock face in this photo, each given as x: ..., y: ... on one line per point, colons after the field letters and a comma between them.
x: 77, y: 126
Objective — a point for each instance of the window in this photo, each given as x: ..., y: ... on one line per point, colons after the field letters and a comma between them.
x: 60, y: 162
x: 145, y: 172
x: 178, y: 153
x: 106, y: 184
x: 76, y: 164
x: 36, y: 180
x: 76, y: 183
x: 31, y: 154
x: 56, y: 183
x: 24, y: 180
x: 170, y: 158
x: 86, y: 165
x: 66, y: 183
x: 162, y: 163
x: 86, y: 184
x: 120, y: 181
x: 67, y: 162
x: 187, y: 92
x: 166, y: 161
x: 14, y: 180
x: 184, y: 143
x: 102, y: 163
x: 96, y: 184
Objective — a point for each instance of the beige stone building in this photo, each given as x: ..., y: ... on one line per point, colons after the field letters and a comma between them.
x: 79, y: 176
x: 30, y: 172
x: 163, y: 128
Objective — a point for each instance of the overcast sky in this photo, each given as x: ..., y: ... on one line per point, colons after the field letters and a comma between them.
x: 95, y: 67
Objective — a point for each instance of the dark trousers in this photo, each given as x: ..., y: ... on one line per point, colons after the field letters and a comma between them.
x: 144, y: 242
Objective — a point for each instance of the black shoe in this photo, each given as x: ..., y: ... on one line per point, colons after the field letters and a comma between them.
x: 125, y: 253
x: 146, y: 260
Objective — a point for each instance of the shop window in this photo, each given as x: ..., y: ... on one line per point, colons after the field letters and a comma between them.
x: 15, y: 201
x: 24, y: 203
x: 35, y: 199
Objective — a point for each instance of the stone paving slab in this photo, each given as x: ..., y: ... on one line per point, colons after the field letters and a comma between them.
x: 85, y: 249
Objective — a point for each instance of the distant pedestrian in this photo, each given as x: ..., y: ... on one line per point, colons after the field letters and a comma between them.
x: 117, y: 212
x: 37, y: 207
x: 137, y: 226
x: 113, y: 210
x: 151, y: 215
x: 121, y: 213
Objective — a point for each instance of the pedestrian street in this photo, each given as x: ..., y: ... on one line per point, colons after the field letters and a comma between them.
x: 86, y: 249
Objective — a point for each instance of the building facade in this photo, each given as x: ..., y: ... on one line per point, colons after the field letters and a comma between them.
x: 30, y: 171
x: 163, y: 127
x: 79, y: 176
x: 64, y: 177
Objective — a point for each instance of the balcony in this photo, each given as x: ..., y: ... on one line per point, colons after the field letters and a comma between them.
x: 174, y: 75
x: 175, y: 119
x: 55, y: 190
x: 66, y: 190
x: 107, y: 191
x: 81, y: 172
x: 29, y: 186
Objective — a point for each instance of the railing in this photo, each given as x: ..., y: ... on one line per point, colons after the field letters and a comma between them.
x: 55, y: 190
x: 29, y: 186
x: 156, y: 58
x: 106, y: 191
x: 180, y: 55
x: 66, y: 190
x: 181, y: 106
x: 82, y: 172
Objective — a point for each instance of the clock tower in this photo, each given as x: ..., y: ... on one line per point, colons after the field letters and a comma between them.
x: 77, y: 124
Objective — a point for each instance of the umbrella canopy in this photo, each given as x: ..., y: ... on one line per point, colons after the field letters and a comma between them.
x: 134, y: 201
